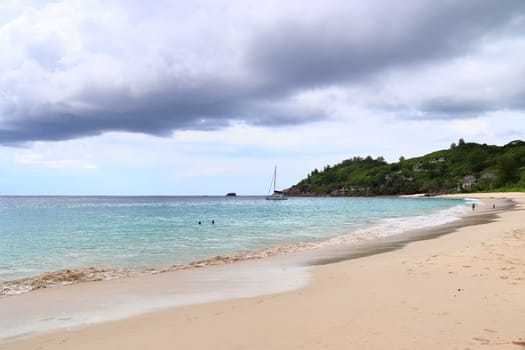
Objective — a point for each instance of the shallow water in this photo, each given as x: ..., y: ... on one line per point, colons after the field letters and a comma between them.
x: 92, y: 238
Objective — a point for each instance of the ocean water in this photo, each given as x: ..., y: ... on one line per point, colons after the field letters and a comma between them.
x: 86, y: 238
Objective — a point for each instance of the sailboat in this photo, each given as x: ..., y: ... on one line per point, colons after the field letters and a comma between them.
x: 276, y: 195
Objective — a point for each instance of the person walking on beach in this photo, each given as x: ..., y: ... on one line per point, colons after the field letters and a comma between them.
x: 473, y: 206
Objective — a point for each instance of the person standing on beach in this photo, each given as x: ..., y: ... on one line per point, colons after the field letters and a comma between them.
x: 473, y: 206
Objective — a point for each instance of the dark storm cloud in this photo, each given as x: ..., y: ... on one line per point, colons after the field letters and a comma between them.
x: 340, y: 48
x: 158, y: 113
x: 336, y: 49
x: 209, y: 106
x: 449, y: 108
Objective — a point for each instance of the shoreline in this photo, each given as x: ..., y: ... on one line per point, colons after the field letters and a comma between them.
x: 320, y: 272
x: 91, y: 273
x: 399, y: 241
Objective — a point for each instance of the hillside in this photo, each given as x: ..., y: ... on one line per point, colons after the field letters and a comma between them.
x: 466, y: 167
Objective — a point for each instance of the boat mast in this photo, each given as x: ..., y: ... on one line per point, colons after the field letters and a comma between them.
x: 274, y: 178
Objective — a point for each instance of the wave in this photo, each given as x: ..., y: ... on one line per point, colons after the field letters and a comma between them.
x: 91, y: 274
x: 59, y: 278
x: 395, y: 226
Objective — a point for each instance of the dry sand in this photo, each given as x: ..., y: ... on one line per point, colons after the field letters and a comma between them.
x: 464, y: 290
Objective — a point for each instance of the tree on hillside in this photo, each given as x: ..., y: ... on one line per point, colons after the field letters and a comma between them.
x: 490, y: 167
x: 508, y: 167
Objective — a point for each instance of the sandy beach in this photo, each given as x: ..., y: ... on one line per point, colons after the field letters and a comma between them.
x: 462, y: 290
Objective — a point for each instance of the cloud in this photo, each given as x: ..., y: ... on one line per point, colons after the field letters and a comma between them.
x: 83, y: 68
x: 471, y: 127
x: 355, y: 41
x: 31, y: 158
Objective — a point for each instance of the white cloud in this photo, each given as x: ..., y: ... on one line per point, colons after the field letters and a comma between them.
x: 471, y: 127
x: 39, y: 160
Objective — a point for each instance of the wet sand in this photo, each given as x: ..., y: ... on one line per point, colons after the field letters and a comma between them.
x: 460, y: 290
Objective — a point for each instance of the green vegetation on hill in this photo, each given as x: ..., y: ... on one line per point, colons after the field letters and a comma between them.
x: 465, y: 167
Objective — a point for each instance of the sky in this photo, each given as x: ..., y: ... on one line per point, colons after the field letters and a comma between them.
x: 205, y: 97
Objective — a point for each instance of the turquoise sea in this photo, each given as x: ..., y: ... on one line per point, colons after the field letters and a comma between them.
x: 110, y: 234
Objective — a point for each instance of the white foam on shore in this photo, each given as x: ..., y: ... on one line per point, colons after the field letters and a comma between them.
x: 396, y: 226
x: 61, y: 278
